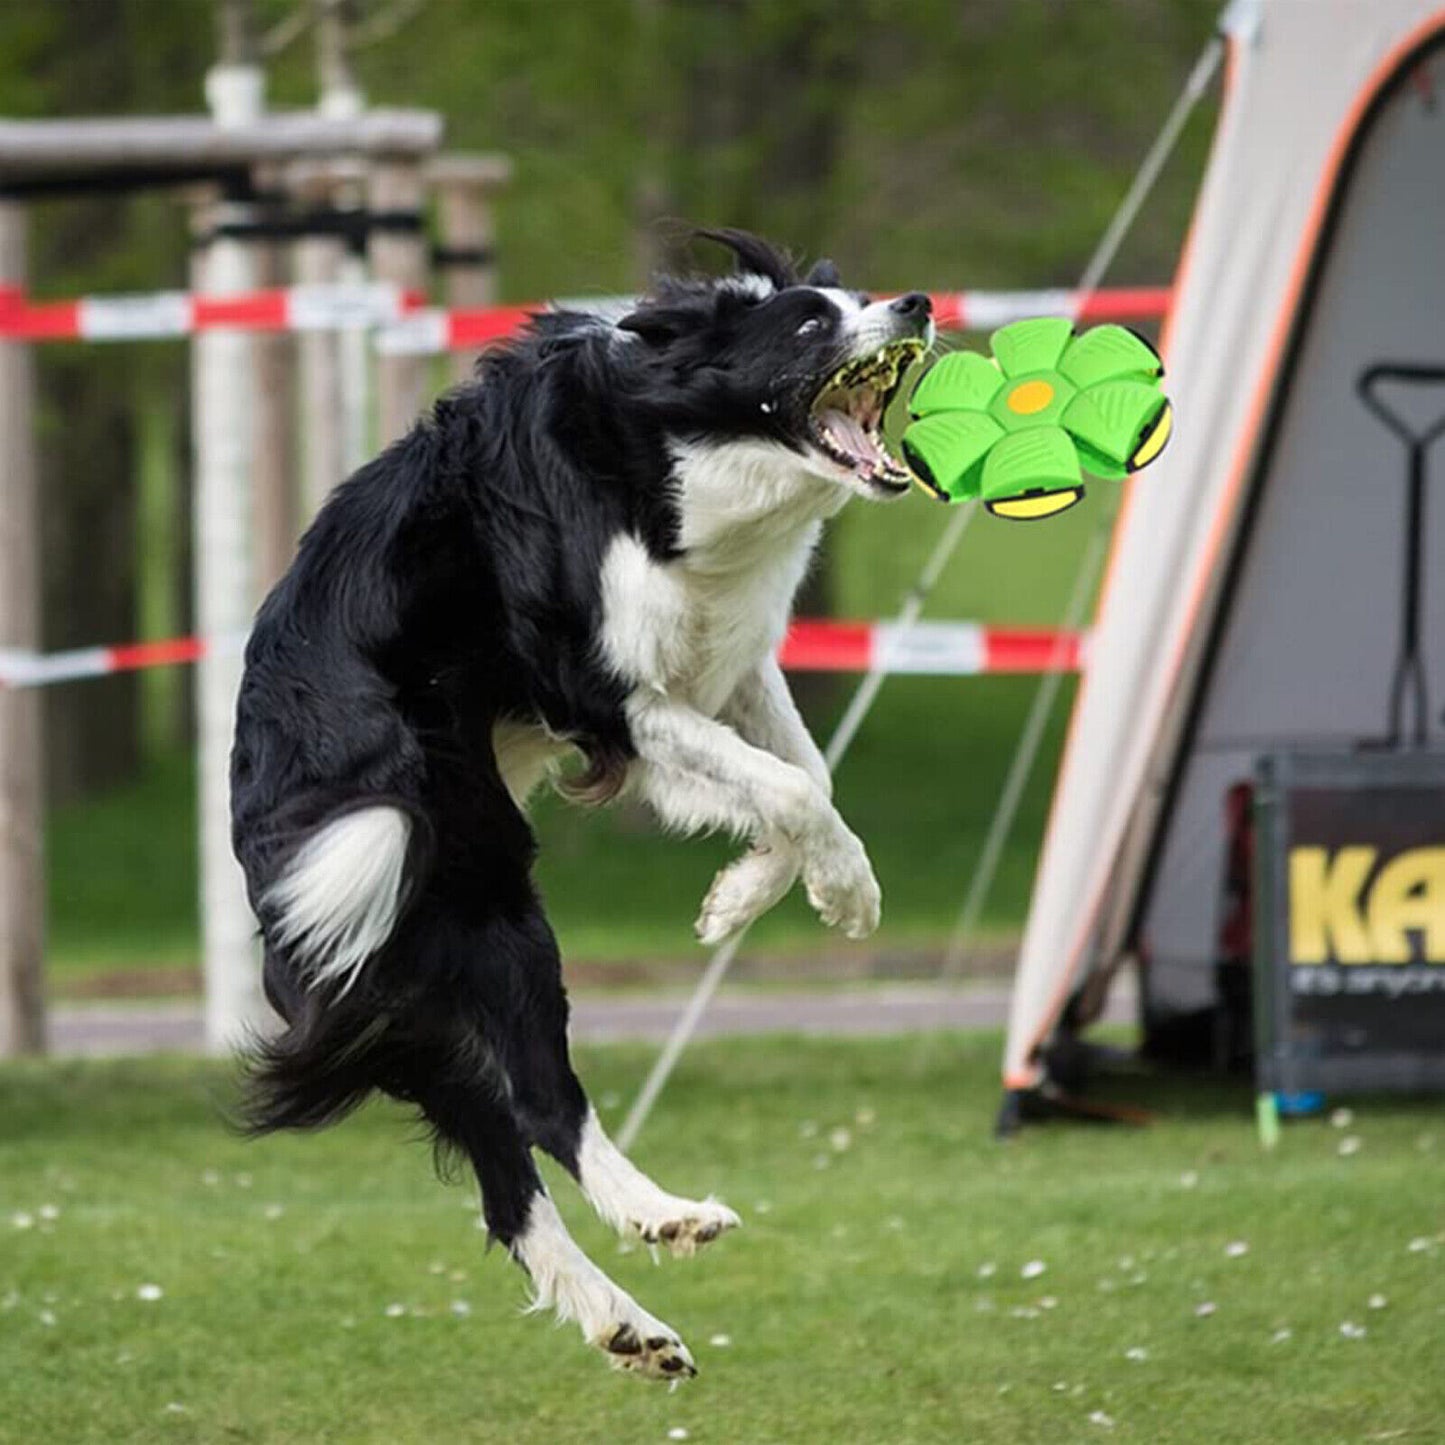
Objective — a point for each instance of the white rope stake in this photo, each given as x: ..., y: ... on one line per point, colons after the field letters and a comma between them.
x: 1020, y: 768
x: 862, y: 701
x: 838, y: 744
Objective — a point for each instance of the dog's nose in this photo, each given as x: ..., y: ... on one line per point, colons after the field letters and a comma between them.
x: 915, y: 305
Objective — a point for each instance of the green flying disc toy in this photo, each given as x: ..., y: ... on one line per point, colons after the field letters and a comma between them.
x: 1018, y: 430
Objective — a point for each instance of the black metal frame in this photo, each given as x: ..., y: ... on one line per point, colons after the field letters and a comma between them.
x: 1410, y: 663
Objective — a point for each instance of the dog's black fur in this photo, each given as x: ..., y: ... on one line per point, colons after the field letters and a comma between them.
x: 451, y: 583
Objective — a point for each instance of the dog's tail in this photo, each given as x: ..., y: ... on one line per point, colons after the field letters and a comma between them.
x: 333, y: 910
x: 339, y: 898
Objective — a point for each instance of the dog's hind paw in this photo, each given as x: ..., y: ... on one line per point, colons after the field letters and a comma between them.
x: 684, y: 1225
x: 648, y: 1348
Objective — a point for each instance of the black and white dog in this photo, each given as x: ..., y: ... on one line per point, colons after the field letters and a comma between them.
x: 592, y: 548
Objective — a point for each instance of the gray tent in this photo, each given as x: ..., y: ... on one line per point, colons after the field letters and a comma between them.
x: 1258, y: 594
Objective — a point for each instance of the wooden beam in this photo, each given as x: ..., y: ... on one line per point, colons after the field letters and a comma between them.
x: 22, y: 863
x: 40, y: 154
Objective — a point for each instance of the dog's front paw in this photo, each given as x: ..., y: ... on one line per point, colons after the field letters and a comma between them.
x: 745, y: 890
x: 841, y: 886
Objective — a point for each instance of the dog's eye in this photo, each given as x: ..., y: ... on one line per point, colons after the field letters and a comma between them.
x: 811, y: 325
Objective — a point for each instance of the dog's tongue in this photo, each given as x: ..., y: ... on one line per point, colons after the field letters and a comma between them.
x: 851, y: 436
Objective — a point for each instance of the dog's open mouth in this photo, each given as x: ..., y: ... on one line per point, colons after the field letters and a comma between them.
x: 847, y: 417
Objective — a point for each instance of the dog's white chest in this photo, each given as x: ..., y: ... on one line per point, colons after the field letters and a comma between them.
x: 694, y: 627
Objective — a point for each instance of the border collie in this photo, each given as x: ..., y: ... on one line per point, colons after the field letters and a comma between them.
x: 592, y: 549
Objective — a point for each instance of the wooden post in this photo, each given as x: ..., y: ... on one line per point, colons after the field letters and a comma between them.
x: 223, y: 403
x: 398, y: 256
x: 464, y: 187
x: 275, y: 421
x: 22, y: 864
x: 318, y: 356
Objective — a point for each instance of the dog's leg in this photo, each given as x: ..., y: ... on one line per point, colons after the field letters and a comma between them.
x: 764, y: 714
x: 697, y: 773
x: 552, y: 1108
x: 521, y: 1215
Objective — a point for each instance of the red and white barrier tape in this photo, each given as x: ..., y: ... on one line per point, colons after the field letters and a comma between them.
x: 431, y: 330
x: 935, y: 649
x: 405, y: 326
x: 179, y: 313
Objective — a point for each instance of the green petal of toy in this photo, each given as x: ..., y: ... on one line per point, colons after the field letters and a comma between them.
x: 1032, y: 474
x: 1111, y: 420
x: 1109, y: 353
x: 946, y: 451
x: 1032, y: 345
x: 960, y: 381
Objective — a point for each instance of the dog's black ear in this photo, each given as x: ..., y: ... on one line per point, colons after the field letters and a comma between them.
x: 657, y: 325
x: 824, y: 273
x: 755, y: 256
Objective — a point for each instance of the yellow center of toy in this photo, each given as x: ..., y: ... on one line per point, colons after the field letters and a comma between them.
x: 1030, y: 396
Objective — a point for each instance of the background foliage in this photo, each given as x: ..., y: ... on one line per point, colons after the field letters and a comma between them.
x: 929, y: 143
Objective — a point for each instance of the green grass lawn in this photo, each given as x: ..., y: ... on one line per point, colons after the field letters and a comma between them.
x: 919, y: 786
x: 876, y: 1293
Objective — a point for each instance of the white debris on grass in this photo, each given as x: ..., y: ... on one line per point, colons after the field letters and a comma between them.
x: 677, y: 1433
x: 1377, y: 1302
x: 720, y: 1342
x: 175, y: 1408
x: 460, y: 1308
x: 763, y: 1206
x: 808, y: 1129
x: 1342, y: 1118
x: 1280, y: 1336
x: 22, y: 1219
x: 436, y: 1267
x: 149, y: 1292
x: 211, y: 1177
x: 1137, y: 1353
x: 1189, y: 1179
x: 1351, y: 1331
x: 1033, y: 1269
x: 987, y: 1269
x: 1204, y: 1309
x: 273, y: 1211
x: 1098, y: 1417
x: 1350, y: 1144
x: 1236, y: 1249
x: 865, y: 1117
x: 394, y: 1311
x: 610, y: 1100
x: 1023, y: 1312
x: 243, y: 1181
x: 893, y: 1222
x: 46, y: 1317
x: 49, y: 1212
x: 1048, y: 1302
x: 1419, y: 1244
x: 840, y: 1140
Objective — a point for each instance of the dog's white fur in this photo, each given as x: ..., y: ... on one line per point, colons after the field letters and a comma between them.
x: 566, y: 1281
x: 719, y: 740
x: 338, y: 899
x: 630, y: 1202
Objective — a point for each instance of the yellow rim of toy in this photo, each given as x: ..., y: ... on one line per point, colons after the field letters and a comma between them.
x: 1028, y: 509
x: 1153, y: 441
